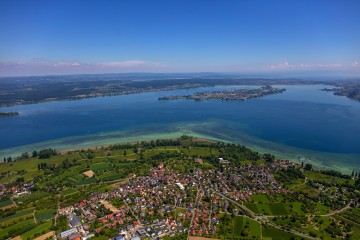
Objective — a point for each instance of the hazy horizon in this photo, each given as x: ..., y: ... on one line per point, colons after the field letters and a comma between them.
x: 278, y: 37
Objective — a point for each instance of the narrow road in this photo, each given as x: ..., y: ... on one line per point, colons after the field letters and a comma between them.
x: 238, y: 204
x: 34, y: 217
x: 137, y: 219
x: 56, y: 216
x: 193, y: 210
x: 337, y: 211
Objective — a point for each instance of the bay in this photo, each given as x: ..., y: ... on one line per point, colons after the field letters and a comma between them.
x: 301, y: 123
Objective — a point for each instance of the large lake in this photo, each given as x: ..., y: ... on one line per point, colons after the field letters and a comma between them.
x: 302, y: 122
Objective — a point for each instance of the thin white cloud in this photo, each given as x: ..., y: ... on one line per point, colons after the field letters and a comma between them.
x: 282, y: 66
x: 44, y: 67
x: 355, y: 64
x: 124, y: 64
x: 287, y: 66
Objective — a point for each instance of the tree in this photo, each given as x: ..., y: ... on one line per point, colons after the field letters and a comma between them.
x: 47, y: 153
x: 308, y: 166
x: 34, y: 153
x: 25, y: 155
x: 20, y: 180
x: 268, y: 157
x: 9, y: 159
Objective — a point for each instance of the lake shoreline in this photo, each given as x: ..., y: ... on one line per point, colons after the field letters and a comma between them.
x: 317, y: 164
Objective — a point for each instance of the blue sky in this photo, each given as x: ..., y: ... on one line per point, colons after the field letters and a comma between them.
x: 62, y: 37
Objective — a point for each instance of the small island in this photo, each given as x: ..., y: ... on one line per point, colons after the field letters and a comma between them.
x: 228, y: 95
x: 8, y: 114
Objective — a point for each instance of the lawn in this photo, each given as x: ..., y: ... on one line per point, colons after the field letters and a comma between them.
x: 38, y: 230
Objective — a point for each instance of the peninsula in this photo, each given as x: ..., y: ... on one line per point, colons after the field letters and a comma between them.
x: 228, y: 95
x: 350, y: 90
x: 8, y: 114
x: 30, y: 90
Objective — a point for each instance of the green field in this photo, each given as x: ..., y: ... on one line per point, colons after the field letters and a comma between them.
x: 32, y: 197
x: 260, y: 198
x: 100, y: 167
x: 67, y: 192
x: 112, y: 177
x: 245, y: 227
x: 37, y: 231
x: 20, y: 214
x: 276, y: 234
x: 277, y: 209
x: 326, y: 178
x: 16, y: 229
x: 238, y: 225
x: 43, y: 215
x: 268, y: 208
x: 6, y: 203
x: 78, y: 180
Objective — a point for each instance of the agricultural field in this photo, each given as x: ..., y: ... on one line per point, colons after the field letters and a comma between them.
x: 323, y: 177
x: 6, y: 204
x: 100, y: 167
x: 17, y: 229
x: 44, y: 215
x: 37, y: 231
x: 268, y: 208
x: 18, y: 216
x: 260, y: 198
x: 240, y: 227
x: 76, y: 181
x: 67, y: 192
x: 31, y: 198
x: 276, y: 234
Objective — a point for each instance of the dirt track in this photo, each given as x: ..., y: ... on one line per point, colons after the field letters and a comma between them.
x: 45, y: 236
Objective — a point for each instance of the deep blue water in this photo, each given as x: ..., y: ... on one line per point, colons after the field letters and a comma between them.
x: 302, y: 118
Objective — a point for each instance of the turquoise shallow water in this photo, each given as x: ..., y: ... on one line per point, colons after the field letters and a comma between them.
x: 302, y: 122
